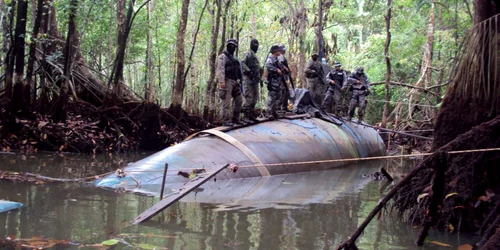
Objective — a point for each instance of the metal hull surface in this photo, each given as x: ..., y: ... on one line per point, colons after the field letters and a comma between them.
x: 275, y: 142
x: 286, y: 190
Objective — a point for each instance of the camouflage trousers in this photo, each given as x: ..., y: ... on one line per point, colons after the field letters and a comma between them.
x: 357, y: 100
x: 251, y: 95
x: 334, y: 94
x: 273, y: 101
x: 315, y: 87
x: 285, y: 95
x: 230, y: 91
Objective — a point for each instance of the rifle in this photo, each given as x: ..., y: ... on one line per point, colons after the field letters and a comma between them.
x: 321, y: 74
x: 290, y: 93
x: 242, y: 89
x: 292, y: 82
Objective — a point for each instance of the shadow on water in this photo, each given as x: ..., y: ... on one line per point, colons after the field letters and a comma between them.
x: 315, y: 210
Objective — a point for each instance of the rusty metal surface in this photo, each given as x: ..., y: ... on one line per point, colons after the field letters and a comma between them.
x: 280, y: 141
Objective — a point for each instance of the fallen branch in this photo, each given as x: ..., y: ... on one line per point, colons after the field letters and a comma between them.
x: 428, y: 163
x: 350, y: 243
x: 30, y: 177
x: 426, y: 90
x: 387, y: 175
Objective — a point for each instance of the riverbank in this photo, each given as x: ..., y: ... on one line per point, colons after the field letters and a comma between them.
x: 123, y: 128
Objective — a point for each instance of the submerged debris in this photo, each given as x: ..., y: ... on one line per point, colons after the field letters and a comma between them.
x: 11, y: 242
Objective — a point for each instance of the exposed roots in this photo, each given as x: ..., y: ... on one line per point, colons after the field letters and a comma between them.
x: 470, y: 183
x: 127, y: 127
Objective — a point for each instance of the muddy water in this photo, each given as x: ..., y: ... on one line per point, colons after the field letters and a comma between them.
x: 314, y: 210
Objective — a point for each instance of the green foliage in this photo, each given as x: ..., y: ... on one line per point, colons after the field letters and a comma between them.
x: 353, y: 31
x: 110, y: 242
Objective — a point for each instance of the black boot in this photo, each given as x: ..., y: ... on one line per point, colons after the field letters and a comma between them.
x: 227, y: 124
x: 236, y: 121
x: 252, y: 117
x: 360, y: 119
x: 246, y: 118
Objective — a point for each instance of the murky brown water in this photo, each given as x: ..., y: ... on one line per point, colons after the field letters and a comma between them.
x: 303, y: 211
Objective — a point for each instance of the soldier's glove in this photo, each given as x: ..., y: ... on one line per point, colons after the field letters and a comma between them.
x: 367, y: 92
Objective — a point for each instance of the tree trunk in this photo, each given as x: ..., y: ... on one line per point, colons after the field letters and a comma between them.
x: 180, y: 78
x: 150, y: 77
x: 9, y: 54
x: 32, y: 53
x: 121, y: 44
x: 43, y: 99
x: 60, y: 114
x: 426, y: 70
x: 18, y: 103
x: 224, y: 28
x: 195, y: 36
x: 5, y: 35
x: 209, y: 107
x: 319, y: 33
x: 387, y: 63
x: 122, y: 37
x: 109, y: 59
x: 159, y: 65
x: 297, y: 26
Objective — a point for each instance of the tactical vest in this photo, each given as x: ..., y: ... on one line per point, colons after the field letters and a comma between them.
x: 360, y: 78
x: 274, y: 75
x: 338, y: 77
x: 253, y: 64
x: 232, y: 68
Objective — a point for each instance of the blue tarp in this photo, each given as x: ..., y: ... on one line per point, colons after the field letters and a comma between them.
x: 9, y: 205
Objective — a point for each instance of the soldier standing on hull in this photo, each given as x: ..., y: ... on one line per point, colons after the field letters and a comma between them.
x: 274, y: 81
x: 360, y: 87
x: 228, y: 74
x: 251, y: 78
x: 337, y: 80
x: 285, y: 95
x: 314, y: 77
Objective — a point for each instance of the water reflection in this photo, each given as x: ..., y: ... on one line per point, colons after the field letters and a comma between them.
x: 314, y: 210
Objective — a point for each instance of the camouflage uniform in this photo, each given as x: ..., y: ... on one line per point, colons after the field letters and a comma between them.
x: 334, y: 90
x: 274, y: 82
x: 229, y: 72
x: 314, y: 80
x: 360, y: 86
x: 251, y: 78
x: 285, y: 95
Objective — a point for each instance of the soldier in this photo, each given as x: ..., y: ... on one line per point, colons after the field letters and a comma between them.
x: 251, y: 76
x: 274, y: 81
x: 314, y: 76
x: 360, y: 87
x: 336, y: 79
x: 285, y: 95
x: 228, y: 74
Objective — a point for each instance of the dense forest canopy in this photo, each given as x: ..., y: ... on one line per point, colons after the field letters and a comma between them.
x: 353, y: 33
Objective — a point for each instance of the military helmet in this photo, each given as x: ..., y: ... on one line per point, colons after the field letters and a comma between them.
x: 232, y: 41
x: 275, y: 48
x: 315, y: 54
x: 337, y: 64
x: 360, y: 69
x: 282, y: 47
